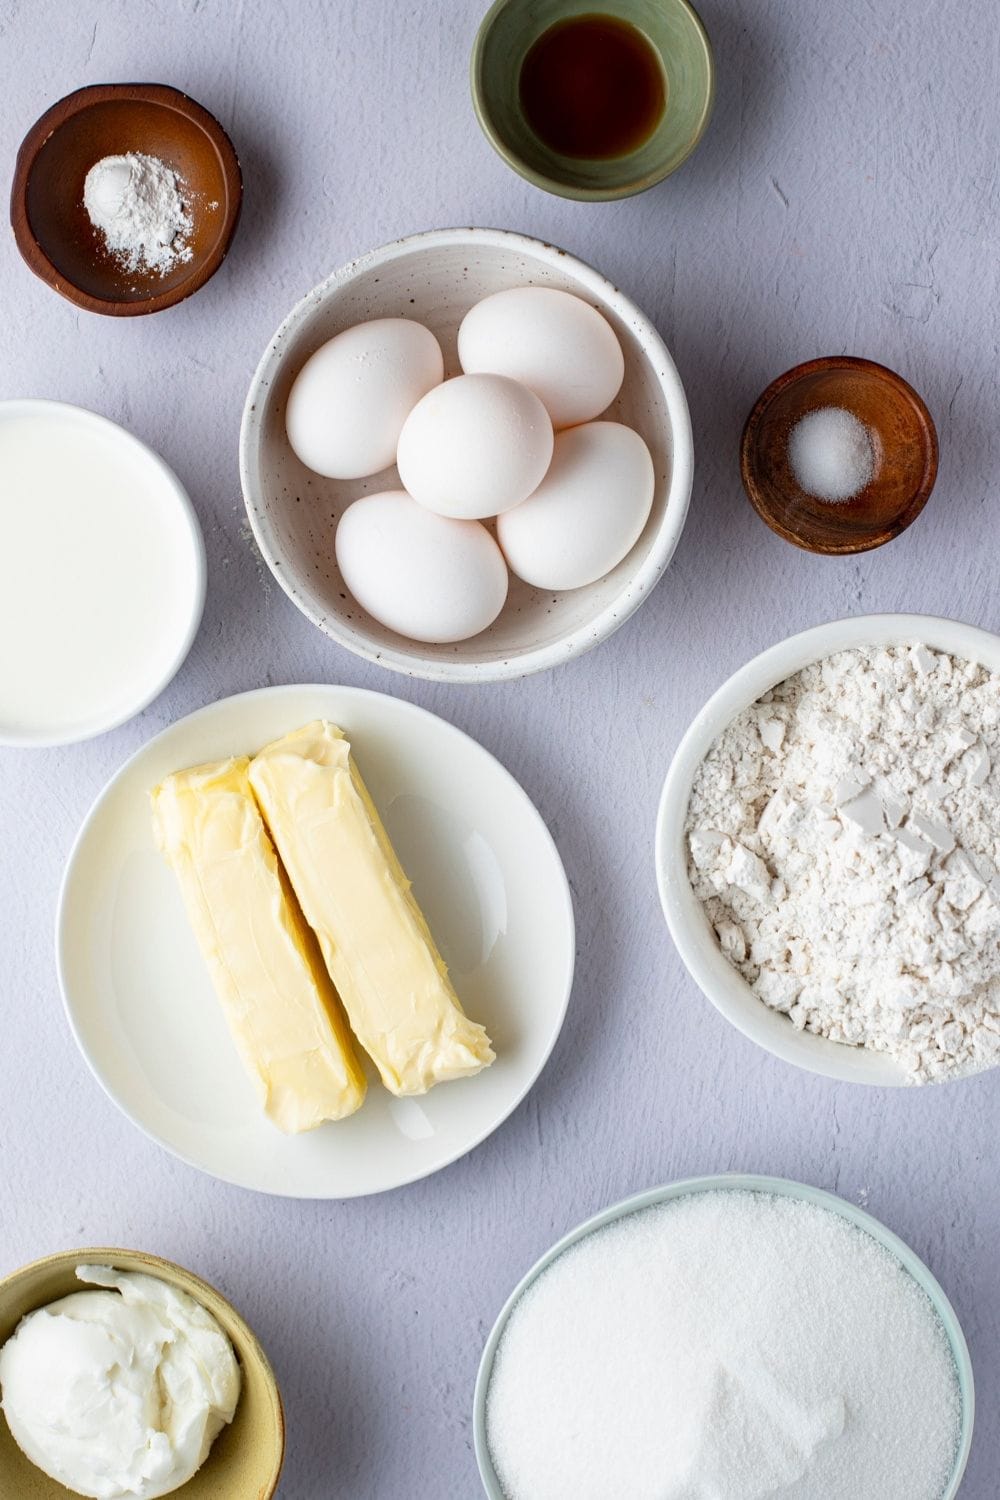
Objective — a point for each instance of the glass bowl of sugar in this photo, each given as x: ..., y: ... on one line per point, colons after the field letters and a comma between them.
x: 731, y: 1335
x: 839, y: 455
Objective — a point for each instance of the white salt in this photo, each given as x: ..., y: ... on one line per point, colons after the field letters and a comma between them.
x: 831, y: 454
x: 728, y: 1345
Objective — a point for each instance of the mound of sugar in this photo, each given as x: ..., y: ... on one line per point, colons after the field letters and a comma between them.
x: 728, y: 1345
x: 831, y: 454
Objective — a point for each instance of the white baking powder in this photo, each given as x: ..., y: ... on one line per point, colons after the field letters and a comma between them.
x: 135, y: 202
x: 844, y: 836
x: 724, y: 1346
x: 831, y: 454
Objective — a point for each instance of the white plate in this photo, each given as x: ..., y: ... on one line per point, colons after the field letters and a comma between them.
x: 105, y: 578
x: 484, y: 869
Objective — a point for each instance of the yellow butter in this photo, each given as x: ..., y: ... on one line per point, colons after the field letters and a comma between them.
x: 280, y: 1006
x: 354, y: 894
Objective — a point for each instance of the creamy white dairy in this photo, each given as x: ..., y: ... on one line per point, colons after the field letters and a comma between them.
x: 102, y: 575
x: 119, y: 1392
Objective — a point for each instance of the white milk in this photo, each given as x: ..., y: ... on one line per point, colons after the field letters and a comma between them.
x: 102, y: 573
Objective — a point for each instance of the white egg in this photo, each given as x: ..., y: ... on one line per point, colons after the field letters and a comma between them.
x: 348, y: 403
x: 556, y: 344
x: 425, y: 576
x: 587, y: 513
x: 475, y: 446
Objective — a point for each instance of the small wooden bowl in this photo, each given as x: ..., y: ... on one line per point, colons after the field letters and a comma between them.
x: 903, y: 437
x: 246, y: 1458
x: 52, y: 228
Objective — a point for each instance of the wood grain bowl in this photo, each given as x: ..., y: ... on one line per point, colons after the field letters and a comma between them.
x: 51, y: 225
x: 905, y: 449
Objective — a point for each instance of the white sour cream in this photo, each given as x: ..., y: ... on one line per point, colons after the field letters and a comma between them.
x: 119, y: 1392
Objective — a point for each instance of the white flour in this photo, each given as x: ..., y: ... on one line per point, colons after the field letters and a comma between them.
x: 844, y: 836
x: 726, y: 1346
x: 135, y: 203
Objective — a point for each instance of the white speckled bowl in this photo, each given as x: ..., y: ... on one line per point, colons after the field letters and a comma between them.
x: 436, y: 277
x: 686, y: 917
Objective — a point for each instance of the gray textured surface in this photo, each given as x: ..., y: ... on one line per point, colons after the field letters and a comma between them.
x: 845, y: 198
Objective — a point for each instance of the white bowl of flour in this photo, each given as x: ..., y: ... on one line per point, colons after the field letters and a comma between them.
x: 736, y: 1336
x: 828, y: 847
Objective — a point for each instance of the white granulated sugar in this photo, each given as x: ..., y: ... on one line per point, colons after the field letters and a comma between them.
x: 844, y: 837
x: 831, y: 454
x: 728, y: 1345
x: 135, y: 203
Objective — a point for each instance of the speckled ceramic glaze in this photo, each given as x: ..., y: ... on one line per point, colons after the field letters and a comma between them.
x: 246, y: 1458
x: 674, y: 28
x: 436, y: 277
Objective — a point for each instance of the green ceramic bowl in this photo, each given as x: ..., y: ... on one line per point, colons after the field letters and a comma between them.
x: 735, y: 1182
x: 510, y: 29
x: 245, y: 1459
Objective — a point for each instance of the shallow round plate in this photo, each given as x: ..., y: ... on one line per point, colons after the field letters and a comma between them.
x: 484, y: 869
x: 689, y: 926
x: 56, y: 621
x: 737, y: 1182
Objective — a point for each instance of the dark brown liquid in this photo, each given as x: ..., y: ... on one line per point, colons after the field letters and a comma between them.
x: 592, y: 86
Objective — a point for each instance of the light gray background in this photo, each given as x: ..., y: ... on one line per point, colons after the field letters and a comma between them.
x: 846, y: 198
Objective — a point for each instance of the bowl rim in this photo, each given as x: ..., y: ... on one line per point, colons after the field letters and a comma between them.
x: 884, y: 376
x: 187, y: 521
x: 700, y: 953
x: 197, y: 1287
x: 555, y: 185
x: 403, y: 659
x: 76, y: 103
x: 737, y: 1182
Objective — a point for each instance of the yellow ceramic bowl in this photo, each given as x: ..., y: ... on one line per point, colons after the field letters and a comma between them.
x: 246, y: 1458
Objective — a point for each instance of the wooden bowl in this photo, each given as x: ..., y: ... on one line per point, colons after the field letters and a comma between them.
x: 903, y: 438
x: 245, y: 1459
x: 52, y: 228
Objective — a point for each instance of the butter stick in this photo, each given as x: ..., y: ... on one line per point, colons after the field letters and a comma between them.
x: 270, y: 978
x: 354, y: 894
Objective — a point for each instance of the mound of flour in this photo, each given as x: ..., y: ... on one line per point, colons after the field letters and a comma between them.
x: 135, y: 202
x: 844, y: 837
